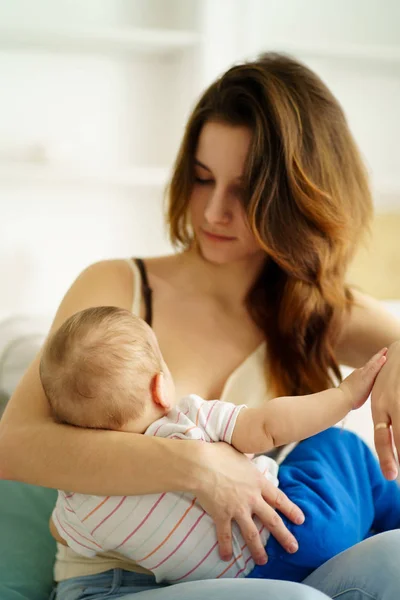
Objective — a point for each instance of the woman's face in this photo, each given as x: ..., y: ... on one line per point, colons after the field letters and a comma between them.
x: 218, y: 219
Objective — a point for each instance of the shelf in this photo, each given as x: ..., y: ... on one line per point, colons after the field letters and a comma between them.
x: 100, y: 40
x: 150, y: 177
x: 358, y: 52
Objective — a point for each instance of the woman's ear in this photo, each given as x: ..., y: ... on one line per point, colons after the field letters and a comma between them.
x: 159, y: 391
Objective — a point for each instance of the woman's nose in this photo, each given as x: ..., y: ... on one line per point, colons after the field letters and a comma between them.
x: 217, y: 208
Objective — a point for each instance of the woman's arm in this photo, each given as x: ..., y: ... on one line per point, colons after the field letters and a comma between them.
x: 369, y: 327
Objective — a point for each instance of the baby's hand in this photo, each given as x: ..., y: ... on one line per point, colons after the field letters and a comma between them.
x: 358, y: 385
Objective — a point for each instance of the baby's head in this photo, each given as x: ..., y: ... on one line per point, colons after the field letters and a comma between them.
x: 103, y: 368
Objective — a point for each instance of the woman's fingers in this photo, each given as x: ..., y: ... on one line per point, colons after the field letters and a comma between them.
x: 385, y: 405
x: 278, y: 499
x: 270, y: 499
x: 224, y: 538
x: 251, y: 535
x: 241, y: 493
x: 275, y: 525
x: 383, y: 440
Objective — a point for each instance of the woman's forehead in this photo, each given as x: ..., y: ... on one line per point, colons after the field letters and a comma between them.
x: 224, y: 147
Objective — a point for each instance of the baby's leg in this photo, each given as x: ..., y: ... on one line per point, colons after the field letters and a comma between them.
x: 336, y: 480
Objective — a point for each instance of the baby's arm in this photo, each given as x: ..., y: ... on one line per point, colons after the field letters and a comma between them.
x: 293, y: 418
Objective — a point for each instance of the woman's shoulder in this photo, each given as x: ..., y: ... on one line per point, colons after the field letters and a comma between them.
x: 103, y: 283
x: 113, y: 281
x: 107, y: 278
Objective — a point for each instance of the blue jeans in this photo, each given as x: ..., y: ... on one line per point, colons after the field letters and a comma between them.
x: 123, y: 584
x: 368, y: 571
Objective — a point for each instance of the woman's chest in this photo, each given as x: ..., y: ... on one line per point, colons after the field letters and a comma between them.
x: 202, y: 345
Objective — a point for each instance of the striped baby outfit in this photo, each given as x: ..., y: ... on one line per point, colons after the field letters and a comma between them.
x: 169, y: 534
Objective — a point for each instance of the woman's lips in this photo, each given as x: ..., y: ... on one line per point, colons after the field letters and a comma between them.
x: 217, y: 238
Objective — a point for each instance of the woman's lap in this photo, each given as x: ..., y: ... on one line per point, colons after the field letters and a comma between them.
x: 118, y: 584
x: 368, y: 571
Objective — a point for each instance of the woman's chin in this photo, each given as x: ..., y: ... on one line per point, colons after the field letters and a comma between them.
x: 218, y: 257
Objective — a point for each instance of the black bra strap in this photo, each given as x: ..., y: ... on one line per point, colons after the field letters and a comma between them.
x: 146, y: 290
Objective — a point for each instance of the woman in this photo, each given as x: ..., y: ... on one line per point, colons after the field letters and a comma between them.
x: 268, y: 201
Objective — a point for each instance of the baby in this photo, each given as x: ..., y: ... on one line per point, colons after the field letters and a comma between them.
x: 103, y: 369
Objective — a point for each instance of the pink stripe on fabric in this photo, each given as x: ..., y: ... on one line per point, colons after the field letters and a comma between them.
x: 82, y: 536
x: 167, y: 423
x: 72, y: 537
x: 189, y: 429
x: 142, y: 522
x: 158, y: 428
x: 198, y: 415
x: 209, y: 414
x: 109, y: 515
x: 244, y: 568
x: 198, y: 564
x: 229, y: 420
x: 179, y: 545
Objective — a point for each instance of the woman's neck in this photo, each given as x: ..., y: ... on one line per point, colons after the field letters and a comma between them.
x: 228, y: 283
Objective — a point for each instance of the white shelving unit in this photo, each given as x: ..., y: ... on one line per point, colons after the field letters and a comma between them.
x: 354, y: 52
x: 134, y: 177
x: 100, y: 40
x: 142, y: 56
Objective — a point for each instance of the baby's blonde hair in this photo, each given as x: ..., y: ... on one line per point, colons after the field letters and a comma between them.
x: 96, y: 369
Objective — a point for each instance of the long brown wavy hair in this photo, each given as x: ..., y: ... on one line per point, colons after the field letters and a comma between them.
x: 307, y: 202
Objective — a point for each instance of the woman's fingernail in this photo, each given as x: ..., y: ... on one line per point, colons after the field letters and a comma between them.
x: 293, y: 547
x: 300, y: 518
x: 391, y: 475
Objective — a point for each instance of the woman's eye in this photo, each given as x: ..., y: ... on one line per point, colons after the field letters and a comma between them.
x: 202, y: 181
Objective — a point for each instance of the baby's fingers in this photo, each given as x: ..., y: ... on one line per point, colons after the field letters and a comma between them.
x: 374, y: 365
x: 360, y: 382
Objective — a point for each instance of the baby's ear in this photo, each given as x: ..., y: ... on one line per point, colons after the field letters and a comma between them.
x: 159, y: 391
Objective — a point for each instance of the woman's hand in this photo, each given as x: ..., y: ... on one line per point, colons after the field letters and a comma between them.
x: 385, y: 403
x: 233, y: 489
